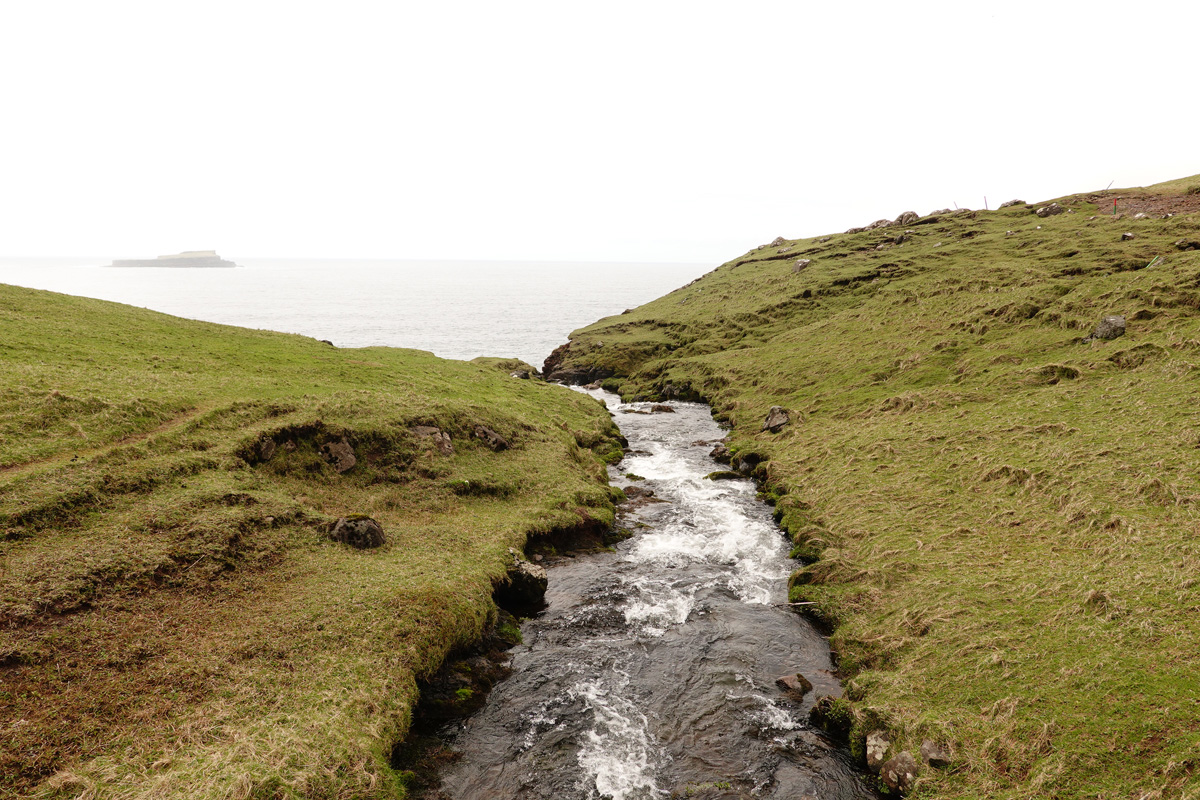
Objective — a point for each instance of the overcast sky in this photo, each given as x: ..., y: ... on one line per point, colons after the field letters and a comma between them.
x: 638, y: 131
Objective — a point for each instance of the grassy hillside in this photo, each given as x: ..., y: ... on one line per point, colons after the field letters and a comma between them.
x: 996, y: 519
x: 175, y: 620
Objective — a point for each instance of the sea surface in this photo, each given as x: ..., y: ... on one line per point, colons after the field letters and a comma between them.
x: 455, y: 309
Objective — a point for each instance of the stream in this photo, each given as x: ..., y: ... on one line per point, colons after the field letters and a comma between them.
x: 651, y: 673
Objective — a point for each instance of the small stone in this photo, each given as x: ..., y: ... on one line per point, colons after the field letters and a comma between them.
x: 359, y: 532
x: 794, y: 686
x: 1110, y: 327
x: 801, y: 264
x: 877, y: 747
x: 1050, y: 210
x: 1141, y: 215
x: 777, y: 417
x: 340, y: 455
x: 899, y: 773
x: 934, y: 754
x: 824, y: 239
x: 1127, y: 236
x: 1010, y: 233
x: 491, y: 438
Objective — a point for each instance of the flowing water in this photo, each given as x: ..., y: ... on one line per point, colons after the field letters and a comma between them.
x: 652, y: 671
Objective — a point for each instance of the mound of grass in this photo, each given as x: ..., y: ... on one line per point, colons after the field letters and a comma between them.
x: 175, y: 620
x: 998, y: 518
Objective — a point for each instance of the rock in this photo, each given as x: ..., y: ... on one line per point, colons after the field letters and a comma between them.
x: 832, y: 715
x: 265, y: 449
x: 661, y: 408
x: 325, y: 341
x: 776, y: 419
x: 855, y: 230
x: 801, y: 264
x: 1050, y: 210
x: 440, y: 438
x: 1012, y: 203
x: 524, y: 587
x: 520, y: 374
x: 899, y: 773
x: 794, y: 687
x: 824, y: 239
x: 1109, y: 328
x: 876, y: 750
x: 1187, y: 244
x: 1010, y: 233
x: 724, y: 475
x: 879, y: 223
x: 1127, y: 236
x: 1141, y: 215
x: 778, y: 241
x: 720, y: 454
x: 906, y: 218
x: 593, y: 385
x: 901, y: 239
x: 934, y: 754
x: 362, y: 533
x: 490, y: 438
x: 339, y: 454
x: 634, y: 492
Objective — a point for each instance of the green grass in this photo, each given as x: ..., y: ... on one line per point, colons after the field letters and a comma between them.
x: 1001, y: 519
x: 174, y: 620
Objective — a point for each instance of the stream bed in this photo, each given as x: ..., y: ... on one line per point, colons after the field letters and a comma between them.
x: 651, y: 673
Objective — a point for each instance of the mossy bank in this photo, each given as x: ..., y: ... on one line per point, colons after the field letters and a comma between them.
x: 995, y: 512
x: 177, y: 617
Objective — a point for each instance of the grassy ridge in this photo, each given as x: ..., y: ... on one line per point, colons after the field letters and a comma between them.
x: 996, y: 519
x: 174, y: 619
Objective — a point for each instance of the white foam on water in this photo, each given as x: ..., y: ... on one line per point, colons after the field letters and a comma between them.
x: 619, y: 755
x: 655, y: 605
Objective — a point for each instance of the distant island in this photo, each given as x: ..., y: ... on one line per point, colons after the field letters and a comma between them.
x: 190, y: 258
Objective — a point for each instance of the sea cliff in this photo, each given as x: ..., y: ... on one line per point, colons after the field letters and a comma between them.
x: 978, y: 428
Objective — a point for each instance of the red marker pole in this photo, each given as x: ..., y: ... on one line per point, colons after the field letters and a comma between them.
x: 1114, y: 206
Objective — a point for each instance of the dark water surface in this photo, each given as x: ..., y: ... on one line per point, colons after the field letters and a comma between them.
x: 652, y: 670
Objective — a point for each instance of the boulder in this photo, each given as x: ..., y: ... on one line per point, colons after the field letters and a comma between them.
x: 899, y: 773
x: 661, y: 408
x: 907, y: 218
x: 1127, y: 236
x: 339, y: 454
x: 265, y: 449
x: 879, y: 223
x: 720, y: 454
x: 778, y: 241
x: 1109, y: 328
x: 1011, y: 203
x: 634, y: 492
x: 794, y: 687
x: 855, y: 230
x: 1050, y: 210
x: 934, y: 754
x: 876, y: 750
x: 801, y: 264
x: 362, y: 533
x: 440, y: 438
x: 524, y: 587
x: 776, y: 419
x: 490, y: 438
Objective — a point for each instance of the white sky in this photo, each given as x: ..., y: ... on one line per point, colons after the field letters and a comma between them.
x: 641, y: 131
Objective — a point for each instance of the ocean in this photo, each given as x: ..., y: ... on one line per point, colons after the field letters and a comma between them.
x: 454, y: 309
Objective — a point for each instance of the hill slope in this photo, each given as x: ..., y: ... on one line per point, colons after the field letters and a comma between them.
x: 995, y: 515
x: 175, y: 620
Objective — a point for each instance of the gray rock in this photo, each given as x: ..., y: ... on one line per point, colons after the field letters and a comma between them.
x: 801, y: 264
x: 879, y: 223
x: 907, y: 218
x: 824, y: 239
x: 1109, y: 328
x: 525, y: 582
x: 794, y: 687
x: 855, y: 230
x: 491, y: 438
x: 1127, y: 236
x: 720, y: 454
x: 776, y: 419
x: 1141, y: 215
x: 934, y: 754
x: 1050, y: 210
x: 440, y: 438
x: 520, y: 374
x: 339, y: 454
x: 1011, y: 203
x: 899, y: 773
x: 266, y: 449
x: 1010, y: 233
x: 362, y: 533
x: 778, y: 241
x: 876, y: 750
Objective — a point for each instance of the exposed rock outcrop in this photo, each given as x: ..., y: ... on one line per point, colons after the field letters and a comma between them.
x: 1050, y: 210
x: 1110, y: 327
x: 491, y: 438
x: 440, y: 439
x: 362, y: 533
x: 899, y: 773
x: 339, y: 454
x: 776, y: 419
